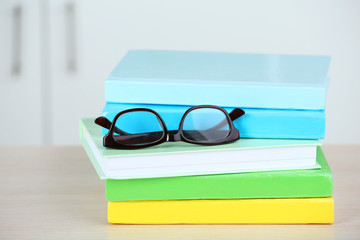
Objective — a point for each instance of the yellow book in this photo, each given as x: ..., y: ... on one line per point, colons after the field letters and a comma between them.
x: 223, y: 211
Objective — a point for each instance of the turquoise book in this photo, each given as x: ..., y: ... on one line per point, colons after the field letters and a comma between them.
x: 183, y: 159
x: 244, y: 80
x: 256, y: 123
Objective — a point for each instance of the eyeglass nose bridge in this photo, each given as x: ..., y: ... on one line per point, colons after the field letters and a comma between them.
x: 174, y: 136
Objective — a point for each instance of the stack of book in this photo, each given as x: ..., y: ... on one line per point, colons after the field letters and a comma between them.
x: 275, y: 174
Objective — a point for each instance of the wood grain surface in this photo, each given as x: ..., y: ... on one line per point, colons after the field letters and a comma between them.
x: 54, y: 193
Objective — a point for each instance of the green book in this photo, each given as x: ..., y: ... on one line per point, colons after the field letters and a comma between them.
x: 183, y: 159
x: 271, y: 184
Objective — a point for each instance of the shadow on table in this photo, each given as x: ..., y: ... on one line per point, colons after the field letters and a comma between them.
x: 159, y: 232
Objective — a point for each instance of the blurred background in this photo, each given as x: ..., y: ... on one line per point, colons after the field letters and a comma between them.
x: 56, y: 54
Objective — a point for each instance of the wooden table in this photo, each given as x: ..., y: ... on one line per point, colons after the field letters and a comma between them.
x: 54, y: 193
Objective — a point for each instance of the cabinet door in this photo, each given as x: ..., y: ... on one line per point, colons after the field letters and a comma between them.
x: 76, y: 86
x: 87, y: 39
x: 20, y: 78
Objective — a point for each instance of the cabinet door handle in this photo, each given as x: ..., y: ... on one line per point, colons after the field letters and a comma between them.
x: 16, y: 43
x: 70, y: 24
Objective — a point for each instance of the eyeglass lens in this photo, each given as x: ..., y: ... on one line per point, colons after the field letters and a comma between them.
x: 206, y: 125
x: 139, y: 128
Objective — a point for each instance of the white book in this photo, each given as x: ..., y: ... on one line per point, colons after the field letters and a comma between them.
x: 183, y: 159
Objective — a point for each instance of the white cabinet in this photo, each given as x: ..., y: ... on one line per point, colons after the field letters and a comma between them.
x: 76, y: 82
x: 21, y: 89
x: 53, y: 63
x: 64, y: 50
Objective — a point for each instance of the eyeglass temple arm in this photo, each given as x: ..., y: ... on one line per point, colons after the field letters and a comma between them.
x: 105, y: 123
x: 236, y: 113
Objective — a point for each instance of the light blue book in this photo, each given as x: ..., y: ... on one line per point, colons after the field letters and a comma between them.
x: 223, y: 79
x: 256, y: 123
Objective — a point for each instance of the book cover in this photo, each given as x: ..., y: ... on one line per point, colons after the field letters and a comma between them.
x: 256, y: 123
x: 229, y: 211
x: 271, y: 184
x: 224, y: 79
x: 181, y: 159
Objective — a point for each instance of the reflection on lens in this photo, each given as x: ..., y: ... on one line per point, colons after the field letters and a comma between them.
x: 206, y: 125
x: 137, y: 128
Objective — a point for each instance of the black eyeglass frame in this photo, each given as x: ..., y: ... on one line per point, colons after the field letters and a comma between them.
x: 169, y: 136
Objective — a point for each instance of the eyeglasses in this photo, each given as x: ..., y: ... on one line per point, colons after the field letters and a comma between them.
x: 142, y: 127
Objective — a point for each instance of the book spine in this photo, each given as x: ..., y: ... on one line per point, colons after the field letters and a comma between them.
x: 278, y: 97
x: 249, y: 211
